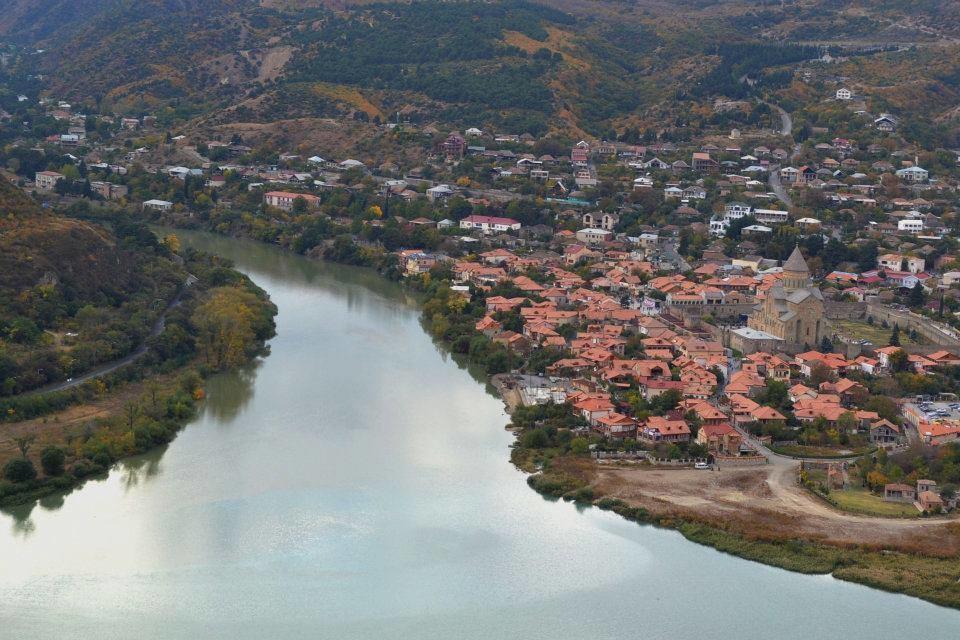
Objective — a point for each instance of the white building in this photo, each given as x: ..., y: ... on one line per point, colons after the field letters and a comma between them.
x: 593, y: 236
x: 158, y: 205
x: 489, y: 224
x: 910, y: 226
x: 47, y: 180
x: 439, y: 193
x: 736, y: 210
x: 770, y: 216
x: 719, y: 226
x: 913, y: 175
x: 844, y: 94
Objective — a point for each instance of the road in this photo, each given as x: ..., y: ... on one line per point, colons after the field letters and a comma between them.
x: 776, y: 187
x: 130, y: 358
x: 670, y: 251
x: 786, y: 129
x: 786, y: 122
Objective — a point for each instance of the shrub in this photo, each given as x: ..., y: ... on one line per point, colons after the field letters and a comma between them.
x: 52, y: 459
x: 19, y: 470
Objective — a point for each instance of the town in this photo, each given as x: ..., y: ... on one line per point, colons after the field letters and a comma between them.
x: 463, y: 318
x: 716, y: 302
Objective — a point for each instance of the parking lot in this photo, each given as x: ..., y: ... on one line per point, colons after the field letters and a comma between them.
x: 932, y: 411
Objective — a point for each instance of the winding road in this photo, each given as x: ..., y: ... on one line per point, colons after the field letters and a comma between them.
x: 786, y: 129
x: 130, y: 358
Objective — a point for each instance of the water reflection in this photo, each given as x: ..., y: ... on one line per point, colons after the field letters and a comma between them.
x: 139, y: 469
x: 22, y: 524
x: 228, y: 394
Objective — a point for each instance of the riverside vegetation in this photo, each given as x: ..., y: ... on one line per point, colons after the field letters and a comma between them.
x: 219, y: 322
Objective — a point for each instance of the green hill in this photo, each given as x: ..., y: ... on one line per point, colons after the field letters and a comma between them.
x: 73, y: 294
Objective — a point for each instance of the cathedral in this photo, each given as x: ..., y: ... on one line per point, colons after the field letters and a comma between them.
x: 793, y: 308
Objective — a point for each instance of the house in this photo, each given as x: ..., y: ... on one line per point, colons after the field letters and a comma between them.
x: 286, y: 199
x: 489, y: 224
x: 884, y: 432
x: 594, y: 236
x: 157, y: 205
x: 109, y: 191
x: 47, y: 180
x: 895, y: 492
x: 594, y: 408
x: 886, y: 123
x: 616, y: 425
x: 454, y: 146
x: 844, y: 94
x: 440, y: 193
x: 580, y: 154
x: 600, y: 221
x: 913, y: 175
x: 660, y: 429
x: 703, y: 163
x: 720, y: 438
x: 910, y: 226
x: 930, y: 502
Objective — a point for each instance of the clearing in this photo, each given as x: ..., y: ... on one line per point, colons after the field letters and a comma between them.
x: 766, y: 502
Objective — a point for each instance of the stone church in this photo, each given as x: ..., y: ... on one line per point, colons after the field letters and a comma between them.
x: 793, y: 308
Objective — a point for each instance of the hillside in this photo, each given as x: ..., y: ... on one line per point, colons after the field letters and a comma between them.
x: 523, y: 66
x: 72, y: 294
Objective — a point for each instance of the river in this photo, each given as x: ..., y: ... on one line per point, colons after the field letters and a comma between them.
x: 355, y: 484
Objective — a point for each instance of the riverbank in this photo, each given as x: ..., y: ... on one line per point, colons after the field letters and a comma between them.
x: 71, y: 435
x: 736, y: 512
x: 451, y: 319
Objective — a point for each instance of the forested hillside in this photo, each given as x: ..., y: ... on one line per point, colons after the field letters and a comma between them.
x: 522, y: 66
x: 73, y: 294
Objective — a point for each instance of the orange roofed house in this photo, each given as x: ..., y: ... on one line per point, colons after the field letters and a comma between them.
x: 286, y: 199
x: 660, y: 429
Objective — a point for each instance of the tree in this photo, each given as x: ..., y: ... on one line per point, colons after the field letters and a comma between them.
x: 826, y: 346
x: 299, y: 206
x: 876, y: 479
x: 847, y: 422
x: 776, y: 394
x: 23, y: 443
x: 579, y: 446
x: 52, y: 459
x: 916, y: 297
x: 19, y: 470
x: 820, y: 373
x: 899, y: 361
x: 895, y: 336
x: 224, y: 326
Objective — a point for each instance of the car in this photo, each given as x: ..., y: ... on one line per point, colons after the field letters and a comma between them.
x: 701, y: 465
x: 69, y: 379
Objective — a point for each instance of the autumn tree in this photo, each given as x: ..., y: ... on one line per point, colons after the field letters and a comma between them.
x: 876, y: 479
x: 225, y: 327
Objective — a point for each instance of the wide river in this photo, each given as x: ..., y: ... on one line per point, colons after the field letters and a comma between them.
x: 356, y: 484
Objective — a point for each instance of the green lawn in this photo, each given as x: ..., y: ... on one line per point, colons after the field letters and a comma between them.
x: 862, y: 501
x: 860, y: 330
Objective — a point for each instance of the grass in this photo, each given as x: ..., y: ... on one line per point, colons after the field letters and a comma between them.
x: 859, y: 330
x: 862, y: 501
x: 810, y: 451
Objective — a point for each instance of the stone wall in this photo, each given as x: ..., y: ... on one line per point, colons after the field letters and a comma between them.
x: 929, y: 330
x: 835, y: 310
